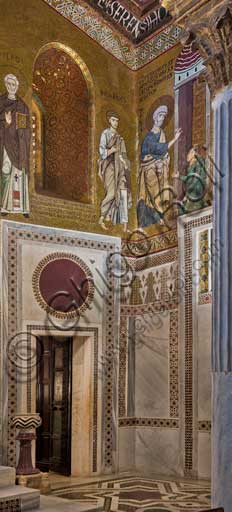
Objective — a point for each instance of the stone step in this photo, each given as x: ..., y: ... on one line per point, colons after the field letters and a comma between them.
x: 7, y: 476
x: 18, y: 498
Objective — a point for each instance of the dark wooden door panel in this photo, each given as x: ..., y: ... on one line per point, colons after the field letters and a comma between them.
x: 54, y: 404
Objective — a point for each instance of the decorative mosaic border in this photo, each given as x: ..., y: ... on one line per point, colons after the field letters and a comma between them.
x: 93, y: 330
x: 143, y: 309
x: 10, y: 505
x: 122, y: 385
x: 149, y: 422
x: 41, y: 234
x: 188, y: 305
x: 174, y: 365
x: 36, y: 284
x: 204, y: 298
x: 204, y: 426
x: 85, y: 18
x: 145, y: 246
x: 156, y: 260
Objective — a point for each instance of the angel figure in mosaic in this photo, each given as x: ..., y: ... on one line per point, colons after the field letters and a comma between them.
x: 114, y: 171
x: 153, y: 181
x: 14, y: 149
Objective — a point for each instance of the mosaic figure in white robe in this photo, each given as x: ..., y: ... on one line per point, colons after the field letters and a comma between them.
x: 14, y: 149
x: 114, y: 171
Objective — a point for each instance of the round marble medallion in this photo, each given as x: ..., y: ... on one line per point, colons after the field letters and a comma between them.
x: 63, y: 285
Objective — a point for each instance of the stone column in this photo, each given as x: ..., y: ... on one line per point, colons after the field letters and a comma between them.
x: 222, y: 305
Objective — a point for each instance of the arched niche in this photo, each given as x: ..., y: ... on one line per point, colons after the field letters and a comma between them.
x: 62, y: 124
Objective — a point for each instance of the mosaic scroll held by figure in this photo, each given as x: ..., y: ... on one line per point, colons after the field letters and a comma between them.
x: 14, y: 149
x: 114, y: 171
x: 154, y: 175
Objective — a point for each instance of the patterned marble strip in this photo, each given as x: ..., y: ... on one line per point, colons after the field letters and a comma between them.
x: 12, y: 330
x: 85, y: 18
x: 122, y: 366
x: 39, y: 234
x: 204, y: 426
x: 204, y: 298
x: 149, y: 422
x: 109, y: 371
x: 10, y: 505
x: 156, y: 307
x: 188, y: 227
x: 156, y: 260
x: 174, y: 365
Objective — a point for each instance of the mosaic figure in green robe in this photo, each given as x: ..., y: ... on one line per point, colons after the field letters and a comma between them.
x: 195, y: 182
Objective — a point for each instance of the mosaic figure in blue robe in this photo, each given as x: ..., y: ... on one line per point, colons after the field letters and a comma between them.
x: 153, y: 181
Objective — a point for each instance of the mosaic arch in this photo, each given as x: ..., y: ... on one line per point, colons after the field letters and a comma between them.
x: 63, y: 116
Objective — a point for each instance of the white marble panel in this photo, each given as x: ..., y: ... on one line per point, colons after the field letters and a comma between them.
x: 158, y: 450
x: 126, y: 448
x: 7, y: 476
x: 204, y: 362
x: 204, y: 455
x: 82, y: 405
x: 152, y: 369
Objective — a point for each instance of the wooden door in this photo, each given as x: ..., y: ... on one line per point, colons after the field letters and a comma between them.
x: 53, y: 446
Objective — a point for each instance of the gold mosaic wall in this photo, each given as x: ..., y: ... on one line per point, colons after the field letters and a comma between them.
x: 112, y: 88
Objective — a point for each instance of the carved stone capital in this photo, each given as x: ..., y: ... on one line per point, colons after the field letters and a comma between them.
x: 26, y: 421
x: 208, y: 25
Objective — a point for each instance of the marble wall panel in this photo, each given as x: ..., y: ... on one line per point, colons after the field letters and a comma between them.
x: 204, y: 362
x: 152, y: 368
x: 126, y: 449
x: 158, y: 450
x: 204, y: 455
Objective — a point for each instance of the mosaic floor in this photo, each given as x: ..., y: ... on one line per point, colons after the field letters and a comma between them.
x: 132, y: 494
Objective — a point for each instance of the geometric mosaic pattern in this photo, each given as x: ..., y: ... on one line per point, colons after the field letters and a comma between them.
x: 10, y: 505
x: 204, y: 298
x: 204, y: 426
x: 149, y: 422
x: 130, y: 494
